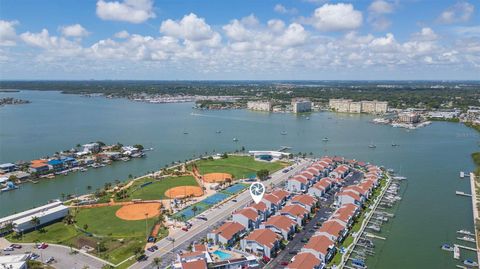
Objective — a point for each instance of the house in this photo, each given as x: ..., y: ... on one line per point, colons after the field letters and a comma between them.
x: 348, y: 197
x: 282, y: 194
x: 262, y: 242
x: 314, y: 171
x: 281, y: 225
x: 7, y: 167
x: 358, y: 190
x: 273, y: 202
x: 305, y: 260
x: 321, y: 187
x: 334, y: 229
x: 341, y: 171
x: 56, y: 165
x: 39, y: 166
x: 346, y: 214
x: 321, y: 246
x: 296, y: 213
x: 304, y: 200
x: 227, y: 234
x: 193, y: 260
x: 197, y: 264
x: 91, y: 147
x: 248, y: 217
x: 298, y: 183
x: 262, y: 210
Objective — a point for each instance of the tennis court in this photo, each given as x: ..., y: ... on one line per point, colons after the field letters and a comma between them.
x: 215, y: 199
x: 234, y: 189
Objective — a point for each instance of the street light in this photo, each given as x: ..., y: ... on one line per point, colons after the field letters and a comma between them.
x: 146, y: 225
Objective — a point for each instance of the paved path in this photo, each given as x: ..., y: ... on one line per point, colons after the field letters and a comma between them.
x: 63, y: 256
x: 200, y: 228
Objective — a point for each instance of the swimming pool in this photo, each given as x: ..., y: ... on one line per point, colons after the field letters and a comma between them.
x: 222, y: 255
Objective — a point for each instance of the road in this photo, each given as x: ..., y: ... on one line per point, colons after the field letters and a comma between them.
x: 324, y: 212
x: 215, y: 216
x: 63, y: 256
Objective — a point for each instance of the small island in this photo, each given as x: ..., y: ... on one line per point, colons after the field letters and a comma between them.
x: 12, y: 101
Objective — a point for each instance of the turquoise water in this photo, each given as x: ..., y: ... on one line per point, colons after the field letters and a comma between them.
x: 431, y: 157
x: 222, y: 255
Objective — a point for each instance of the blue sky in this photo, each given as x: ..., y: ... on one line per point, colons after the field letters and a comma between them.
x: 249, y: 39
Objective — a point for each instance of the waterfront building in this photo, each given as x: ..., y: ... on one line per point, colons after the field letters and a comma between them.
x: 262, y: 210
x: 273, y: 202
x: 298, y: 183
x: 7, y: 167
x: 262, y: 242
x: 227, y: 234
x: 321, y: 246
x: 305, y: 260
x: 267, y: 155
x: 348, y: 197
x: 409, y: 117
x: 334, y: 229
x: 46, y: 214
x: 39, y: 166
x: 301, y: 105
x: 14, y: 261
x: 349, y: 106
x: 260, y: 105
x: 91, y: 147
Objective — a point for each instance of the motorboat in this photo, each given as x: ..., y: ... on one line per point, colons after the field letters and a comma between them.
x: 447, y: 247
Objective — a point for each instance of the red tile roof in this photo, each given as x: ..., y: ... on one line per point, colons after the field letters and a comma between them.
x: 248, y: 212
x: 295, y: 210
x: 282, y: 194
x: 313, y: 170
x: 305, y: 199
x: 304, y: 260
x: 229, y: 229
x: 264, y: 237
x: 261, y: 206
x: 199, y: 247
x: 198, y: 264
x: 281, y: 222
x: 271, y: 198
x: 355, y: 196
x: 307, y: 174
x: 300, y: 179
x: 332, y: 227
x: 320, y: 243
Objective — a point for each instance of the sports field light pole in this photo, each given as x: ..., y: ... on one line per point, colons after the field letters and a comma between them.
x: 146, y: 225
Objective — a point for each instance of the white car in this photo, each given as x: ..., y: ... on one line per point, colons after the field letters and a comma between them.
x: 8, y: 249
x: 49, y: 260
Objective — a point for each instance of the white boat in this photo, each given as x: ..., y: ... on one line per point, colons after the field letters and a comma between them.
x: 462, y: 174
x: 467, y: 238
x: 235, y: 139
x: 447, y: 247
x: 470, y: 263
x: 372, y: 146
x: 325, y: 139
x: 283, y: 133
x: 399, y: 178
x: 467, y: 232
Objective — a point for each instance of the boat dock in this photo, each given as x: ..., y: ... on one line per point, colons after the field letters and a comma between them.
x: 465, y: 247
x: 461, y: 193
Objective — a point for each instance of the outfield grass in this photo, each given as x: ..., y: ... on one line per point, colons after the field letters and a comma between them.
x: 57, y: 233
x: 238, y: 166
x: 157, y: 189
x: 102, y: 221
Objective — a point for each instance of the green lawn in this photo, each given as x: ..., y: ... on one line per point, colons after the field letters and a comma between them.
x: 157, y: 189
x: 57, y: 233
x: 102, y: 221
x: 238, y: 166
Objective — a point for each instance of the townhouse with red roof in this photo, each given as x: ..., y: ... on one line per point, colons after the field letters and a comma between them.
x: 305, y: 260
x: 298, y: 183
x: 262, y: 242
x: 340, y: 172
x: 273, y: 202
x: 304, y: 200
x: 248, y: 217
x: 321, y: 187
x: 346, y: 214
x: 262, y: 210
x: 227, y: 234
x: 282, y: 194
x: 281, y: 225
x: 348, y: 197
x: 295, y: 212
x: 321, y: 247
x: 334, y: 229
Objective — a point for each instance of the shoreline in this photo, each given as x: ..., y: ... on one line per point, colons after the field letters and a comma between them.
x: 475, y: 211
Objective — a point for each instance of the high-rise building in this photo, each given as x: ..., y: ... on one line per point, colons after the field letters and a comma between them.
x: 349, y: 106
x: 259, y: 105
x: 301, y: 105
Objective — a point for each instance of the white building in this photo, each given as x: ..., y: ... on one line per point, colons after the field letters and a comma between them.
x: 260, y: 105
x: 301, y: 105
x: 14, y: 261
x: 91, y: 147
x: 349, y: 106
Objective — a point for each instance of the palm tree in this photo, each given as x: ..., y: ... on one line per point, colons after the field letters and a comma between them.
x: 194, y: 209
x: 35, y: 221
x: 157, y: 261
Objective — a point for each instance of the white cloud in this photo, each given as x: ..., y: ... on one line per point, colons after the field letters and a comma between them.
x: 122, y: 34
x: 336, y: 17
x: 190, y: 27
x: 133, y: 11
x: 460, y: 12
x: 425, y: 34
x: 381, y: 7
x: 279, y: 8
x: 74, y: 30
x: 54, y: 45
x: 294, y: 35
x: 8, y: 36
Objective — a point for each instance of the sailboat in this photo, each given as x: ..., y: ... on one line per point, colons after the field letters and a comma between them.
x: 325, y: 139
x: 283, y: 133
x: 372, y: 146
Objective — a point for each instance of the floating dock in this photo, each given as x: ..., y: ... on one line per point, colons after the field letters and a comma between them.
x: 463, y: 193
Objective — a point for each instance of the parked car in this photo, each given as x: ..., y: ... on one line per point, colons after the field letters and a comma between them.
x: 34, y: 256
x: 8, y: 249
x: 294, y: 252
x: 50, y: 260
x: 17, y: 246
x: 42, y: 246
x: 142, y: 258
x: 304, y: 240
x: 185, y: 229
x: 155, y: 247
x: 151, y: 249
x: 284, y: 263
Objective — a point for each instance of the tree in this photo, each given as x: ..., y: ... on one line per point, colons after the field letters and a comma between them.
x: 89, y: 188
x: 138, y: 146
x: 157, y: 261
x: 263, y: 174
x: 224, y: 155
x: 137, y: 251
x: 85, y: 226
x: 194, y: 210
x: 35, y: 221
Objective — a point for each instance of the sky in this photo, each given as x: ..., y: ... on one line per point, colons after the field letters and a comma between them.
x: 240, y: 39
